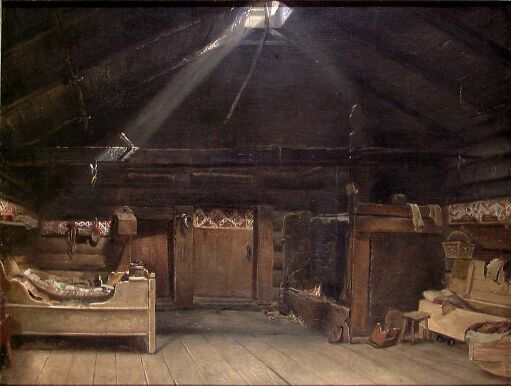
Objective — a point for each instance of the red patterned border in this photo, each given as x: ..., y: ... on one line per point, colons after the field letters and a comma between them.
x: 7, y: 207
x: 480, y: 211
x: 50, y: 228
x: 223, y: 218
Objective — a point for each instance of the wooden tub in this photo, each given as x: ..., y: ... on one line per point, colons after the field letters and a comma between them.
x: 494, y: 357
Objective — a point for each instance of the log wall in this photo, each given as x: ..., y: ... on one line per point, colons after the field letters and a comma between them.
x: 484, y: 178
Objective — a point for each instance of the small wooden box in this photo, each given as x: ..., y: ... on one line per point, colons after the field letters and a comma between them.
x: 124, y: 222
x: 458, y: 249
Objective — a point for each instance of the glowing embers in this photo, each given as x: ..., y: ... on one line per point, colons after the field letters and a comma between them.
x: 277, y: 13
x: 223, y: 218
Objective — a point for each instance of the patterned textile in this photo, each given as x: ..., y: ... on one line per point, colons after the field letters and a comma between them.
x: 480, y: 211
x: 223, y: 218
x: 60, y: 227
x: 11, y: 208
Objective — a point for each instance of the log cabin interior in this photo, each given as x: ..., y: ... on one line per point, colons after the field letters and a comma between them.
x: 255, y: 193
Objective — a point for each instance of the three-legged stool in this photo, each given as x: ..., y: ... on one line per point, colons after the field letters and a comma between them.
x: 412, y: 319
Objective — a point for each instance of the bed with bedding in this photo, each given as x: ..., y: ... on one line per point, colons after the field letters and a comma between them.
x: 42, y: 303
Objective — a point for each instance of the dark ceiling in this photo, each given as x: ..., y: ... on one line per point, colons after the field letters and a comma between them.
x: 194, y: 77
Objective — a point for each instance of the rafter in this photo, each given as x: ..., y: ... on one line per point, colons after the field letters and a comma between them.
x: 475, y: 40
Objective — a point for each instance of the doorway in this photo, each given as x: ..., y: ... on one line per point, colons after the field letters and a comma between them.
x: 224, y: 261
x: 222, y: 256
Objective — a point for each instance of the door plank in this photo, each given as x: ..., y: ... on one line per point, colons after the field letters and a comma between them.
x: 223, y: 263
x: 27, y: 367
x: 82, y: 368
x: 264, y: 248
x: 241, y: 360
x: 182, y: 367
x: 129, y: 369
x: 214, y: 369
x: 105, y: 369
x: 56, y: 368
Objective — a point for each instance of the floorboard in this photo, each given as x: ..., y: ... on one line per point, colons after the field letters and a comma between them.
x: 156, y: 370
x: 28, y: 365
x: 82, y: 368
x: 365, y: 367
x: 322, y: 364
x: 104, y: 369
x: 56, y: 368
x: 129, y: 369
x: 458, y: 363
x: 214, y: 369
x: 246, y: 364
x: 290, y: 370
x: 239, y: 348
x: 412, y: 371
x: 183, y: 369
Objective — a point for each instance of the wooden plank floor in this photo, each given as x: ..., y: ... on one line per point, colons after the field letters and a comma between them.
x: 219, y: 350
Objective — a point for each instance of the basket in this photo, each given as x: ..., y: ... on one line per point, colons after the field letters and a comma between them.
x: 458, y: 249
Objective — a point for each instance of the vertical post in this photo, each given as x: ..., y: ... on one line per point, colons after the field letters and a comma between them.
x: 360, y: 259
x: 183, y: 256
x: 151, y: 344
x: 264, y: 254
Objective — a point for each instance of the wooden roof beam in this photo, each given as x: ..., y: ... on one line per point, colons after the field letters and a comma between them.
x: 475, y: 40
x: 411, y: 62
x: 233, y: 157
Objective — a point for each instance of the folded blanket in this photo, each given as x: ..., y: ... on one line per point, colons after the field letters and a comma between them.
x: 498, y: 270
x: 488, y: 332
x: 65, y: 291
x: 448, y: 299
x: 416, y: 217
x: 435, y: 212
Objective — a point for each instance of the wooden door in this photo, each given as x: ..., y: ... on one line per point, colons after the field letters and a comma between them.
x: 223, y: 263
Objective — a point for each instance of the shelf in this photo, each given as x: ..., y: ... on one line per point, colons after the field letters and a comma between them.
x: 12, y: 223
x: 486, y: 223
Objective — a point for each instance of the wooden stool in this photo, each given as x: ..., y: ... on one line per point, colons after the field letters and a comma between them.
x: 412, y: 319
x: 6, y: 329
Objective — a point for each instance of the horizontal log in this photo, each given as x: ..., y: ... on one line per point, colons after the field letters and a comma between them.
x: 233, y: 157
x: 232, y: 178
x: 388, y: 210
x: 62, y: 262
x: 392, y: 225
x: 489, y: 237
x: 479, y: 191
x: 480, y: 172
x: 71, y: 205
x: 57, y: 211
x: 489, y: 148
